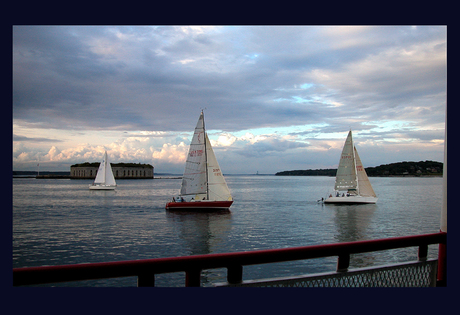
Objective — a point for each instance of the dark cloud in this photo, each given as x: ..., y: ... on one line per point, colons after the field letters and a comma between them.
x: 144, y: 78
x: 32, y: 139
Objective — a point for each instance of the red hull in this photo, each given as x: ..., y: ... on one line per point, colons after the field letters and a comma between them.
x: 199, y: 205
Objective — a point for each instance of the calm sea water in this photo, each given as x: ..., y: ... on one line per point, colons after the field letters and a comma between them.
x: 60, y: 221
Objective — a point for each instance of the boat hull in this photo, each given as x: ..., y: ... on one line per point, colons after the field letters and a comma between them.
x: 199, y: 205
x: 102, y: 187
x: 351, y: 200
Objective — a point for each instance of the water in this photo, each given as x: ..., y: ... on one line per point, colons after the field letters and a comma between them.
x: 60, y: 221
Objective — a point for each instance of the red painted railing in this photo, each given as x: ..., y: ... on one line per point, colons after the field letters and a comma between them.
x: 146, y: 269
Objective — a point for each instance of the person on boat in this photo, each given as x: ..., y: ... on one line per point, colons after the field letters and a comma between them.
x: 182, y: 199
x: 174, y: 200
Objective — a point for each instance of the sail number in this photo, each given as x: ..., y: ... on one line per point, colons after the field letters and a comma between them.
x: 196, y: 153
x: 359, y: 168
x: 216, y: 172
x: 347, y: 157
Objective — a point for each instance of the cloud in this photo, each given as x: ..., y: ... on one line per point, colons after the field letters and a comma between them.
x: 175, y: 154
x: 36, y: 139
x: 145, y: 86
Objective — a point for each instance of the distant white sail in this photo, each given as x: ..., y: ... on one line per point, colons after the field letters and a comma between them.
x: 104, y: 176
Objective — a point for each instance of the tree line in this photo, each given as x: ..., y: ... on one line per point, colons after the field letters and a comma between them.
x: 393, y: 169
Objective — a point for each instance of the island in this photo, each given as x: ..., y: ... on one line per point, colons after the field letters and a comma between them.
x: 120, y: 170
x: 421, y: 168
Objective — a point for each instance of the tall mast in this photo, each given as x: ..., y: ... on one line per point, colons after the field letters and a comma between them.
x: 354, y: 163
x: 105, y: 165
x: 206, y: 158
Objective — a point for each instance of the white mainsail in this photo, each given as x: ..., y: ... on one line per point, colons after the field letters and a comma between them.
x: 365, y: 187
x: 202, y: 176
x: 104, y: 174
x: 194, y: 179
x: 346, y: 172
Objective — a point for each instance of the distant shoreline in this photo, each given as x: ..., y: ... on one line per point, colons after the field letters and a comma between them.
x: 400, y: 169
x: 180, y: 177
x: 407, y: 175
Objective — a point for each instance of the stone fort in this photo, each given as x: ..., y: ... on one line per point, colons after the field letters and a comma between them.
x: 120, y: 170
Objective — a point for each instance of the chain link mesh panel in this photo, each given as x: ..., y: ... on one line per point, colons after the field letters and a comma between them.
x: 414, y: 274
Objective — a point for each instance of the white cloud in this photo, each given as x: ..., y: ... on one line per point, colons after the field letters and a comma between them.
x: 224, y: 140
x: 171, y: 153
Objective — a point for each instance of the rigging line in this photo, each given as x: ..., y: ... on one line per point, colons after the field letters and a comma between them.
x: 205, y: 157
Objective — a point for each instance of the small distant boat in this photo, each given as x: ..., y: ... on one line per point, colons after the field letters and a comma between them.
x: 351, y: 183
x: 104, y: 178
x: 203, y: 184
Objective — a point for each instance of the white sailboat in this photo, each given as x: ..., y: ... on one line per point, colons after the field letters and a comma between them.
x: 104, y: 178
x: 351, y: 183
x: 203, y: 184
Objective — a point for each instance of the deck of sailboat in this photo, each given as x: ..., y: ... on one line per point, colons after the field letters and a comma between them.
x: 102, y: 187
x: 199, y: 205
x: 351, y: 200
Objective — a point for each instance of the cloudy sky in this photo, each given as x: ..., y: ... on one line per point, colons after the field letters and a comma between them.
x: 275, y: 98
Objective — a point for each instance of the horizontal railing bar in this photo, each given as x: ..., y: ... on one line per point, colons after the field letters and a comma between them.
x: 88, y: 271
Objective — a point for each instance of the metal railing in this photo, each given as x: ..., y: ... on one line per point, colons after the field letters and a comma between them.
x: 146, y: 269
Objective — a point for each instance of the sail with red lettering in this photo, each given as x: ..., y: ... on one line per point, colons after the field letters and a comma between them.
x: 194, y: 180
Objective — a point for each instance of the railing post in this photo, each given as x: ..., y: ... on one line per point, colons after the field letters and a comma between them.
x: 193, y: 278
x: 442, y: 266
x: 442, y: 253
x: 343, y: 262
x: 422, y: 252
x: 235, y: 274
x: 146, y: 280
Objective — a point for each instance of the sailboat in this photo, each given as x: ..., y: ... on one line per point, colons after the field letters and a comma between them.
x: 351, y: 182
x: 203, y: 184
x: 104, y: 178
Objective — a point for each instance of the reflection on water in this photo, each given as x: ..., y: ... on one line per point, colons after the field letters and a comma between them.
x: 353, y: 224
x: 203, y: 233
x: 352, y: 221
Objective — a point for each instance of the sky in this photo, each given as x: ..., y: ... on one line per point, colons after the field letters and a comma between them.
x: 275, y: 98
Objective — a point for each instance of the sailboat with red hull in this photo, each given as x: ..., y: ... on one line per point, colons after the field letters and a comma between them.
x: 203, y: 184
